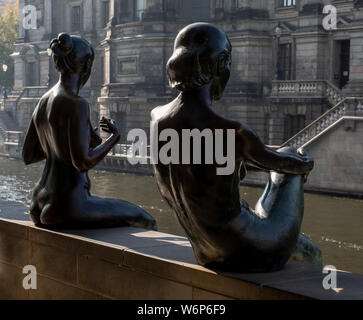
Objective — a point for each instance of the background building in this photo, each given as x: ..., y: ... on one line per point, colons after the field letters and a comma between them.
x: 287, y: 69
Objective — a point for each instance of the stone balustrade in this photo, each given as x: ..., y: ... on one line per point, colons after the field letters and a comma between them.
x: 34, y: 92
x: 14, y: 136
x: 125, y: 149
x: 298, y: 88
x: 318, y: 88
x: 333, y: 94
x: 346, y: 107
x: 13, y: 143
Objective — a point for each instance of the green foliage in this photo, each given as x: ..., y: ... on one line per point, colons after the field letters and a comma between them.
x: 9, y: 28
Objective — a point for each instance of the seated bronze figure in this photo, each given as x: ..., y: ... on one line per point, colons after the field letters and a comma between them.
x: 225, y: 232
x: 60, y: 132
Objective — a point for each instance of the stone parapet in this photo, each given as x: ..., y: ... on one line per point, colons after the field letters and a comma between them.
x: 129, y: 263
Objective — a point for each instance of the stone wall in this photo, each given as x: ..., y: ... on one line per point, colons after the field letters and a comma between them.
x: 338, y: 155
x: 129, y: 263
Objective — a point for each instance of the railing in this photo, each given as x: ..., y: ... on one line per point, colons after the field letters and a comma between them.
x: 2, y: 133
x: 123, y: 150
x: 317, y: 88
x: 333, y: 93
x: 14, y: 137
x: 298, y: 88
x: 34, y: 92
x: 346, y: 107
x: 11, y: 103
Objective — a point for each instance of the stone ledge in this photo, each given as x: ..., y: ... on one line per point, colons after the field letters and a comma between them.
x: 130, y: 263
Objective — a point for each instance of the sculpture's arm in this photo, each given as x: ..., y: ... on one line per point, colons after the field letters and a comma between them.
x: 95, y: 138
x: 267, y: 159
x: 32, y: 150
x: 83, y: 157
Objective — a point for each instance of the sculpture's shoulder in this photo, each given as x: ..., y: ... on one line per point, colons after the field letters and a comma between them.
x: 69, y: 104
x: 42, y: 104
x: 161, y: 112
x: 218, y: 121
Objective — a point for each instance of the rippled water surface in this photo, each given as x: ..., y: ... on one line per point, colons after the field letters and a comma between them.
x: 336, y: 224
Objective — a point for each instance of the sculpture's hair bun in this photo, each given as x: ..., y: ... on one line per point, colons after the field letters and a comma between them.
x: 62, y: 46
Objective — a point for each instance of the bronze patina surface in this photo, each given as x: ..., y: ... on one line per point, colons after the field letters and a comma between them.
x: 225, y: 232
x: 60, y: 132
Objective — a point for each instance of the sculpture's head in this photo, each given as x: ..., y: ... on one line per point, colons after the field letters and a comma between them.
x: 202, y: 56
x: 73, y: 55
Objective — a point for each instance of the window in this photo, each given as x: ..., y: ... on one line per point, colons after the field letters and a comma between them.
x: 285, y: 62
x: 30, y: 74
x: 103, y: 76
x: 288, y: 3
x: 140, y: 6
x: 76, y: 18
x: 293, y: 124
x: 106, y: 12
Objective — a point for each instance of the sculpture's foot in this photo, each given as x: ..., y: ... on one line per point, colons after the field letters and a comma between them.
x: 307, y: 251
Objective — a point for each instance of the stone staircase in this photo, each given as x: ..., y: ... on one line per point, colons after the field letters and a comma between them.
x: 7, y: 123
x: 342, y: 107
x: 348, y: 108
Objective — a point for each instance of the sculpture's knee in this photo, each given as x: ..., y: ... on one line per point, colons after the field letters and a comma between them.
x: 48, y: 216
x: 147, y: 221
x: 300, y: 151
x: 34, y: 213
x: 288, y: 150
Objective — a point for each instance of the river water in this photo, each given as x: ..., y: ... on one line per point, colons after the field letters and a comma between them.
x: 335, y: 224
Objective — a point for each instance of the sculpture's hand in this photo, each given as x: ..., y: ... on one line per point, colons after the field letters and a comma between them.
x: 309, y: 162
x: 95, y: 138
x: 109, y: 126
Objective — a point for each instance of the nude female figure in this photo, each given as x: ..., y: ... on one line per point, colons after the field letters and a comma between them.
x: 225, y: 232
x: 60, y: 132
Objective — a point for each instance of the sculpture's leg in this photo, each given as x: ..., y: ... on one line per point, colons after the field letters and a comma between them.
x: 307, y: 251
x: 100, y: 212
x: 283, y: 204
x: 35, y: 212
x: 283, y: 199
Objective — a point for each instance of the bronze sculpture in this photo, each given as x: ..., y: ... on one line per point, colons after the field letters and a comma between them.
x: 225, y: 232
x: 60, y: 132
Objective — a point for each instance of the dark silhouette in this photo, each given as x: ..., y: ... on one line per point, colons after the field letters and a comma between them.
x: 61, y: 133
x: 225, y: 232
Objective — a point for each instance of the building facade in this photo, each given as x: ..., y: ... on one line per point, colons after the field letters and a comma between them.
x: 287, y: 69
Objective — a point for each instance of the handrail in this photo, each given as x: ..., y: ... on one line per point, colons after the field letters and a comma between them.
x: 322, y: 122
x: 355, y: 118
